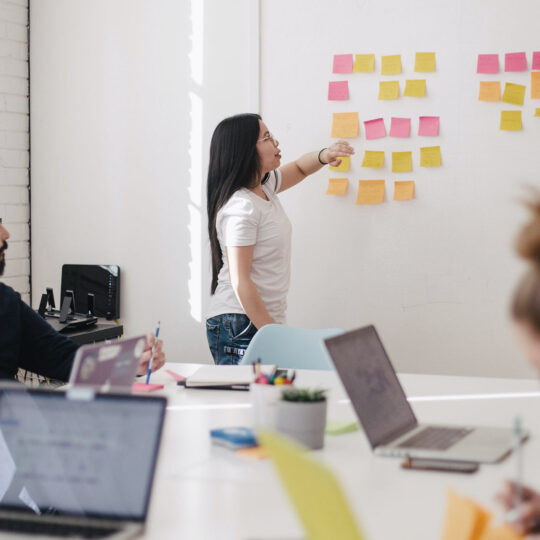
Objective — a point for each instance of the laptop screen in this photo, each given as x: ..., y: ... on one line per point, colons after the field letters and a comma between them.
x: 90, y: 457
x: 371, y: 383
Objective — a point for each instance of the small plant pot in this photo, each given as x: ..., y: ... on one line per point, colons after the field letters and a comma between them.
x: 303, y: 421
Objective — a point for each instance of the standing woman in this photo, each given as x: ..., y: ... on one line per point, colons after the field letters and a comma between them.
x: 250, y: 234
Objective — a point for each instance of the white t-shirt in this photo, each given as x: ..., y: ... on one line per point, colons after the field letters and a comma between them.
x: 246, y: 220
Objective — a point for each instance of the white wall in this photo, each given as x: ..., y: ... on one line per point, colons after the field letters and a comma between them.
x: 434, y: 274
x: 125, y: 97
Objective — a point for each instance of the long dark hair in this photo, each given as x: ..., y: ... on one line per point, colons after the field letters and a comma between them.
x: 234, y: 164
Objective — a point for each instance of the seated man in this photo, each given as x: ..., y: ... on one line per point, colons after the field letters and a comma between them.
x: 27, y: 341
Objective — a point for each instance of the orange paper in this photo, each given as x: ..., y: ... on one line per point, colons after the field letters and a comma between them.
x: 345, y: 125
x: 403, y: 191
x: 464, y: 520
x: 370, y: 192
x: 490, y: 91
x: 535, y: 85
x: 337, y: 186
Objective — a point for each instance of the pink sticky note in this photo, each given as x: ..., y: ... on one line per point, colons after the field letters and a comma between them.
x: 143, y: 387
x: 536, y: 60
x: 343, y: 63
x: 375, y: 128
x: 338, y: 90
x: 174, y: 375
x: 428, y: 126
x: 488, y: 63
x: 400, y: 127
x: 515, y: 61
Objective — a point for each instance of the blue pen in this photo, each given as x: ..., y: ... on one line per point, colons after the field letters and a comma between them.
x: 149, y: 367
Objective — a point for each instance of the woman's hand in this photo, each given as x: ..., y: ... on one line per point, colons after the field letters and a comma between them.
x: 159, y: 355
x: 335, y: 151
x: 527, y: 518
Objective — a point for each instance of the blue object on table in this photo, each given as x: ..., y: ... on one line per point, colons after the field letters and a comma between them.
x: 233, y: 438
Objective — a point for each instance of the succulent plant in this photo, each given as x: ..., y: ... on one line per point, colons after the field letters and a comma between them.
x: 303, y: 394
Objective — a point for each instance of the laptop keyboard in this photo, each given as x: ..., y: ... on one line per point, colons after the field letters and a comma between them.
x: 435, y: 438
x: 55, y: 529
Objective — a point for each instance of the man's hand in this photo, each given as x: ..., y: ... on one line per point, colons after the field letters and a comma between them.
x: 159, y: 355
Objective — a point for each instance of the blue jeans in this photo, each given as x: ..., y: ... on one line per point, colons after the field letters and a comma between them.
x: 229, y: 336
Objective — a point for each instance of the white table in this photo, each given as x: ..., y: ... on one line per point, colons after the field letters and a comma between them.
x: 206, y: 492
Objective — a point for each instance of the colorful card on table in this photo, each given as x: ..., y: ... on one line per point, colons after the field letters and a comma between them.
x: 337, y: 186
x: 343, y: 63
x: 513, y: 93
x: 400, y: 127
x: 338, y: 90
x: 428, y: 126
x: 343, y: 166
x: 345, y: 125
x: 388, y: 89
x: 511, y: 120
x: 375, y: 129
x: 401, y: 161
x: 535, y: 85
x: 424, y: 62
x: 536, y: 60
x: 488, y: 63
x: 464, y: 519
x: 373, y: 159
x: 430, y: 156
x: 415, y: 88
x: 403, y: 191
x: 515, y: 61
x: 370, y: 192
x: 489, y: 91
x: 364, y: 63
x: 391, y: 65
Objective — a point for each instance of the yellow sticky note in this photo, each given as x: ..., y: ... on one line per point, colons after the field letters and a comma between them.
x: 489, y: 91
x: 343, y: 166
x: 337, y: 186
x: 388, y: 89
x: 364, y: 63
x: 430, y: 156
x: 401, y: 161
x: 345, y: 125
x: 513, y: 93
x: 464, y: 519
x: 313, y: 489
x: 372, y: 159
x: 537, y: 113
x: 370, y: 192
x: 535, y: 84
x: 424, y: 62
x: 391, y: 65
x: 403, y: 191
x: 502, y: 532
x: 415, y: 88
x: 511, y: 120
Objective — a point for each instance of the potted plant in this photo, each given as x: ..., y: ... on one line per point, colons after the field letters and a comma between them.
x: 301, y: 415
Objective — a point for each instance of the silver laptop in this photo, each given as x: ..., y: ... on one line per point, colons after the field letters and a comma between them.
x: 386, y: 416
x: 76, y: 463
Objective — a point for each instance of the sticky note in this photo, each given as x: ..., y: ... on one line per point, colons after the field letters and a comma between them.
x: 536, y: 60
x: 370, y: 192
x: 515, y: 61
x: 143, y: 387
x: 388, y: 89
x: 400, y: 127
x: 403, y: 191
x: 489, y: 91
x: 488, y: 63
x: 428, y: 126
x: 364, y: 63
x: 343, y: 166
x: 373, y: 159
x: 338, y: 90
x: 511, y: 120
x: 337, y: 186
x: 401, y: 161
x: 464, y: 519
x: 537, y: 113
x: 513, y: 93
x: 391, y: 65
x: 430, y: 156
x: 253, y: 452
x: 176, y: 376
x: 424, y: 62
x: 535, y: 84
x: 343, y: 63
x: 415, y: 88
x: 502, y: 532
x: 375, y: 129
x: 345, y: 125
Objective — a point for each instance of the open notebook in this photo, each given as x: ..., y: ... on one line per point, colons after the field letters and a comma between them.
x: 235, y: 377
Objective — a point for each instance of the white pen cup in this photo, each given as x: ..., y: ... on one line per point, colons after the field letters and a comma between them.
x: 264, y: 398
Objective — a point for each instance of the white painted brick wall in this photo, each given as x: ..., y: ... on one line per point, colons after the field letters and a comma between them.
x: 14, y: 141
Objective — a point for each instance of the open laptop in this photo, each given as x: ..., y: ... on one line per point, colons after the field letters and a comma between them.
x: 386, y: 416
x: 108, y: 365
x: 76, y: 463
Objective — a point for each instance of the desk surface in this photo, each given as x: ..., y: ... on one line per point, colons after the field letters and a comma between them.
x: 206, y: 492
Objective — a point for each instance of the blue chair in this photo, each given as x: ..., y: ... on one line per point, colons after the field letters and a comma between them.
x: 290, y: 348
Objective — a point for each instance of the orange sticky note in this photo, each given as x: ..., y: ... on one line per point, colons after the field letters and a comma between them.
x: 513, y: 93
x: 388, y: 89
x: 430, y: 156
x: 373, y: 159
x: 415, y: 88
x: 464, y: 519
x: 489, y: 91
x: 502, y: 532
x: 511, y: 120
x: 253, y: 452
x: 337, y: 186
x: 391, y: 65
x: 535, y: 84
x: 343, y: 166
x: 370, y: 192
x: 345, y: 125
x: 364, y: 63
x: 403, y: 191
x: 401, y: 161
x: 424, y: 62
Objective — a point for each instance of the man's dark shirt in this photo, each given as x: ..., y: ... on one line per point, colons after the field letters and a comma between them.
x: 28, y: 342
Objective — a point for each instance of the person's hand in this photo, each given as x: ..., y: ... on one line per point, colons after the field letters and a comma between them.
x: 527, y: 518
x: 335, y: 151
x: 159, y: 355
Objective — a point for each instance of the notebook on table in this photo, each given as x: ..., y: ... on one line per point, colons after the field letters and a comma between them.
x: 225, y: 377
